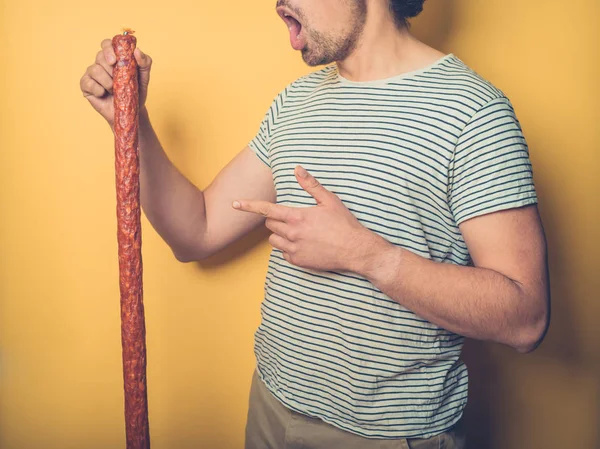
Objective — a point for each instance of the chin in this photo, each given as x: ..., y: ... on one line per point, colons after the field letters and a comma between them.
x: 313, y: 60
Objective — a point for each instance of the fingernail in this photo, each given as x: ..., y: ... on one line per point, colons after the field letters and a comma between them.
x: 111, y: 58
x: 236, y: 205
x: 301, y: 172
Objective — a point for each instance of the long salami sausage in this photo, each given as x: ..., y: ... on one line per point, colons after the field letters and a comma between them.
x: 133, y: 331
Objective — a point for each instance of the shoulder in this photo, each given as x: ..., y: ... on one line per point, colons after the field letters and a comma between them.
x: 463, y: 85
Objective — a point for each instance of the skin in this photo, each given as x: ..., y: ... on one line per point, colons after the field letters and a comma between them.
x: 504, y: 297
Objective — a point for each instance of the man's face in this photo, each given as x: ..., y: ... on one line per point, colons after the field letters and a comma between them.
x: 323, y: 30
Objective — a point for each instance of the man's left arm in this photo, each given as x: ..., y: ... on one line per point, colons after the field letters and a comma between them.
x: 504, y: 297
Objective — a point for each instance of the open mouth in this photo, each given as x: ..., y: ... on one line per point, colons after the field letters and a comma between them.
x: 295, y: 27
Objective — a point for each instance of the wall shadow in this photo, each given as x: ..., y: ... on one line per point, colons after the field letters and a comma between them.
x: 436, y: 27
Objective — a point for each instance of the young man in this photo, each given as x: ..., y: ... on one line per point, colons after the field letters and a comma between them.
x: 398, y: 189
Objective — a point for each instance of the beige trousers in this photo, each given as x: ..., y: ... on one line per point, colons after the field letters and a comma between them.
x: 271, y: 425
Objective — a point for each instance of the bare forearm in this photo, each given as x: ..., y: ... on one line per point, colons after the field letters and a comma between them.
x: 173, y: 205
x: 475, y: 302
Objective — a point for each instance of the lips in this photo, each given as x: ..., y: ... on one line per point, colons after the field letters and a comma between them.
x: 296, y: 37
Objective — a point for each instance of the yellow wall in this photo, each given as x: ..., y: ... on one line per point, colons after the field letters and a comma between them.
x: 217, y: 67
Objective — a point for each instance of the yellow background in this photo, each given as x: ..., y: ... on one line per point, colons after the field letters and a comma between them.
x: 217, y: 67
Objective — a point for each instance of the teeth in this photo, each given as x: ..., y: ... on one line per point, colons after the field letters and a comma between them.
x: 288, y: 16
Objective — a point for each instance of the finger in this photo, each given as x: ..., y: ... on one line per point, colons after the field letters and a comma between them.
x: 264, y: 208
x: 109, y: 52
x: 145, y: 64
x: 287, y: 256
x: 310, y: 184
x: 89, y: 87
x: 99, y: 74
x: 100, y: 59
x: 280, y: 228
x: 280, y: 243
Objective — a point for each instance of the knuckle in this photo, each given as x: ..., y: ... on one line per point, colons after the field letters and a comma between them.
x: 99, y: 91
x: 297, y: 217
x: 89, y: 84
x: 96, y: 70
x: 293, y: 235
x: 94, y: 88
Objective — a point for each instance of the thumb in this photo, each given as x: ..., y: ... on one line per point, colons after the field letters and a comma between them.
x: 143, y: 60
x: 144, y: 64
x: 310, y: 184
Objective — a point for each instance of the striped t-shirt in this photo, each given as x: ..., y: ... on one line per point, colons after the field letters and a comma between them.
x: 412, y: 157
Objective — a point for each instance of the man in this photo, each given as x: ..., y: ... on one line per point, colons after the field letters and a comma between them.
x: 399, y: 192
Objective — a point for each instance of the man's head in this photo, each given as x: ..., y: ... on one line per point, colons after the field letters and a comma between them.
x: 328, y: 31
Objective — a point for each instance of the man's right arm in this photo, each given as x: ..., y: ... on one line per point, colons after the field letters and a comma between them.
x: 196, y: 223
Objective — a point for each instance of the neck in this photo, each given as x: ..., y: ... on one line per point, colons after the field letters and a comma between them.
x: 384, y: 50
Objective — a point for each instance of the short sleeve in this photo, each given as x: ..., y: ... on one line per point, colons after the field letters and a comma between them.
x: 262, y: 141
x: 490, y: 169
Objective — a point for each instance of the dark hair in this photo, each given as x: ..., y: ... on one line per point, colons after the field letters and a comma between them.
x: 405, y: 9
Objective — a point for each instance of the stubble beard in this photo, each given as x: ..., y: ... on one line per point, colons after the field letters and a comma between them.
x: 323, y: 49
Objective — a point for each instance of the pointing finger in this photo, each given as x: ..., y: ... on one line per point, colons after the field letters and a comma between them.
x: 264, y: 208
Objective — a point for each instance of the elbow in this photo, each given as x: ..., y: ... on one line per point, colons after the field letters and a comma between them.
x: 188, y: 256
x: 531, y: 334
x: 184, y: 258
x: 191, y: 250
x: 529, y: 341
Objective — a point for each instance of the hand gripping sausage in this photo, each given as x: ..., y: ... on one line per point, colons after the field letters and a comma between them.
x: 133, y: 332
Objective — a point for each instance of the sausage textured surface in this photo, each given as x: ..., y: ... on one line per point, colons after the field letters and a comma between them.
x: 133, y: 329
